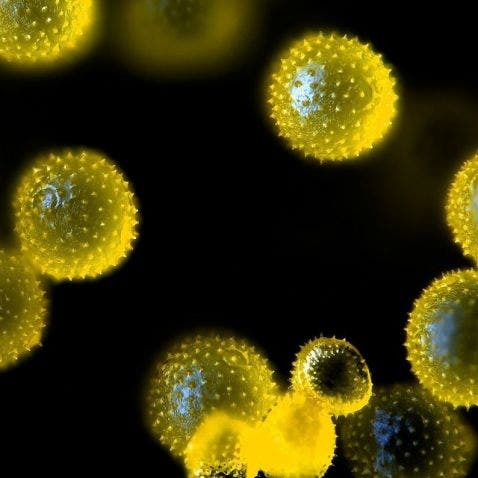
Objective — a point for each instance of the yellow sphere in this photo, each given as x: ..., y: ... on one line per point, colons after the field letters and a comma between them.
x: 331, y: 97
x: 43, y: 31
x: 296, y: 440
x: 405, y: 432
x: 334, y: 373
x: 22, y: 309
x: 201, y: 374
x: 75, y: 214
x: 183, y: 37
x: 215, y: 448
x: 462, y: 207
x: 442, y: 334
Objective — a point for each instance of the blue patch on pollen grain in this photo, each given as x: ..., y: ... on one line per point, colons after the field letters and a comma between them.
x: 47, y: 200
x: 305, y: 89
x: 385, y: 430
x: 441, y: 333
x: 187, y: 396
x: 57, y: 195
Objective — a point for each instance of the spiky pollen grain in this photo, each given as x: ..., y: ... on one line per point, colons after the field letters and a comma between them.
x: 75, y: 214
x: 23, y: 309
x: 405, y: 431
x: 442, y: 333
x: 462, y: 208
x: 333, y: 372
x: 42, y: 32
x: 202, y: 374
x: 331, y: 97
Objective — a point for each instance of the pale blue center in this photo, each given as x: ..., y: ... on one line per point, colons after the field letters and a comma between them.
x: 187, y: 398
x: 56, y: 195
x: 385, y: 430
x: 305, y: 90
x: 441, y: 333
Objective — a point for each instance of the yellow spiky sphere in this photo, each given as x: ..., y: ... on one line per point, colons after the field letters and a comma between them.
x: 22, y: 309
x: 185, y: 36
x: 403, y: 432
x: 333, y: 372
x: 462, y: 208
x: 202, y: 374
x: 296, y: 440
x: 442, y: 334
x: 215, y: 448
x: 331, y: 97
x: 38, y: 32
x: 75, y: 214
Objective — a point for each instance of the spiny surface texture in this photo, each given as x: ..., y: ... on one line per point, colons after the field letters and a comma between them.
x: 442, y: 334
x: 35, y: 32
x: 22, y: 309
x: 405, y: 432
x: 75, y: 214
x: 334, y: 373
x: 462, y: 208
x: 331, y: 97
x: 202, y: 374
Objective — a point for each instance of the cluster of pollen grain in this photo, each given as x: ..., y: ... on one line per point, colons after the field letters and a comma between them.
x: 200, y: 375
x: 442, y: 333
x: 297, y: 439
x: 404, y: 431
x: 22, y: 309
x: 75, y: 214
x: 462, y: 208
x: 43, y: 31
x: 184, y: 36
x: 215, y: 448
x: 331, y: 97
x: 334, y: 372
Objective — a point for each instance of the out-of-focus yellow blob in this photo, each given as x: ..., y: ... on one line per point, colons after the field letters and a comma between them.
x: 331, y: 96
x: 405, y: 432
x: 22, y: 309
x: 75, y: 214
x: 442, y: 337
x: 39, y: 32
x: 185, y: 37
x: 333, y: 372
x: 215, y: 448
x: 462, y: 208
x: 297, y: 440
x: 201, y: 374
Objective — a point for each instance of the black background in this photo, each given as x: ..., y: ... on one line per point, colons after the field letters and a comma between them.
x: 237, y: 232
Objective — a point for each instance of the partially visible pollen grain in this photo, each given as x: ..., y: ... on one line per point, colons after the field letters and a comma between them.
x: 331, y: 97
x: 185, y: 36
x: 75, y: 214
x: 203, y: 374
x: 23, y: 309
x: 38, y: 32
x: 462, y: 208
x: 296, y: 440
x: 333, y: 372
x: 405, y: 432
x: 442, y: 337
x: 215, y: 448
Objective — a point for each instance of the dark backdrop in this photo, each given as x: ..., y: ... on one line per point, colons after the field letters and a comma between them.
x: 237, y: 232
